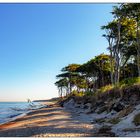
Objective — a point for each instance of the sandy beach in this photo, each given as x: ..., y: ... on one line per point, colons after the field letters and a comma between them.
x: 51, y: 121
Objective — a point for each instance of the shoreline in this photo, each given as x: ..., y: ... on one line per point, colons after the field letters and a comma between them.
x: 17, y: 116
x: 52, y: 121
x: 71, y: 119
x: 13, y: 119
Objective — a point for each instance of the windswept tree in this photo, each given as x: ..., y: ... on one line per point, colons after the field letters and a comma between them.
x: 119, y: 34
x: 68, y: 77
x: 96, y: 71
x: 62, y: 85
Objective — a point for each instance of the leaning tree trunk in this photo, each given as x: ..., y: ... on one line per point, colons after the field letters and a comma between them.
x: 117, y: 59
x: 110, y: 41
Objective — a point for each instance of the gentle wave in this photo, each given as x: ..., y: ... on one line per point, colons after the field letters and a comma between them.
x: 11, y: 110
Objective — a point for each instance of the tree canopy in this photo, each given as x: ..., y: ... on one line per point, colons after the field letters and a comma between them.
x: 122, y: 61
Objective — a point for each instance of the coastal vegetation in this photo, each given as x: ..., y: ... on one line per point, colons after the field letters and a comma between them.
x: 107, y: 87
x: 99, y: 98
x: 112, y: 72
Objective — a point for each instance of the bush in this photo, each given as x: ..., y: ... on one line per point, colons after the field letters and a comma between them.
x: 129, y: 81
x: 106, y: 88
x: 103, y: 91
x: 75, y: 93
x: 115, y: 91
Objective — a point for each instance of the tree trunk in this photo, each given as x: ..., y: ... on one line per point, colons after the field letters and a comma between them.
x: 110, y: 41
x: 67, y: 91
x: 61, y: 92
x: 111, y: 66
x: 117, y: 59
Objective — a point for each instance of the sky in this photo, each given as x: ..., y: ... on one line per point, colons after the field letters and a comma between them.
x: 38, y: 40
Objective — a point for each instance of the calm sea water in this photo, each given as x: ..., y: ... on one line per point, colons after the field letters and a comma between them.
x: 11, y: 110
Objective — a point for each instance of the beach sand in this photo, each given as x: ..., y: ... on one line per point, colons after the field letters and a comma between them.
x: 52, y: 121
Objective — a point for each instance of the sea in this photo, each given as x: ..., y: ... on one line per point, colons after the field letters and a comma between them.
x: 11, y: 110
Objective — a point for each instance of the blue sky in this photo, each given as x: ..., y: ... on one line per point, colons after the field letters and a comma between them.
x: 37, y: 40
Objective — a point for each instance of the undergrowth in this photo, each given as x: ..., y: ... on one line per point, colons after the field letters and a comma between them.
x: 118, y: 87
x: 112, y: 91
x: 129, y: 82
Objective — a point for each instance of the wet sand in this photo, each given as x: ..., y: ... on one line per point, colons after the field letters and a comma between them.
x: 52, y: 121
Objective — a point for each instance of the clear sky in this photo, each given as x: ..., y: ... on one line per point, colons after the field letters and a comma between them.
x: 37, y: 40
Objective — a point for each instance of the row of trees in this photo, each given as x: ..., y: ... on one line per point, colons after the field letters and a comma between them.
x: 123, y: 60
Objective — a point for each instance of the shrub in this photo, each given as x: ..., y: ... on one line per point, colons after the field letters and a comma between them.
x: 115, y: 91
x: 129, y: 81
x: 75, y: 93
x: 105, y: 88
x: 103, y: 91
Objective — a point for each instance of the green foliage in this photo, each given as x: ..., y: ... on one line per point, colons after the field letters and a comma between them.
x: 119, y: 86
x: 102, y: 73
x: 62, y: 82
x: 70, y: 68
x: 129, y: 82
x: 79, y: 94
x: 104, y: 89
